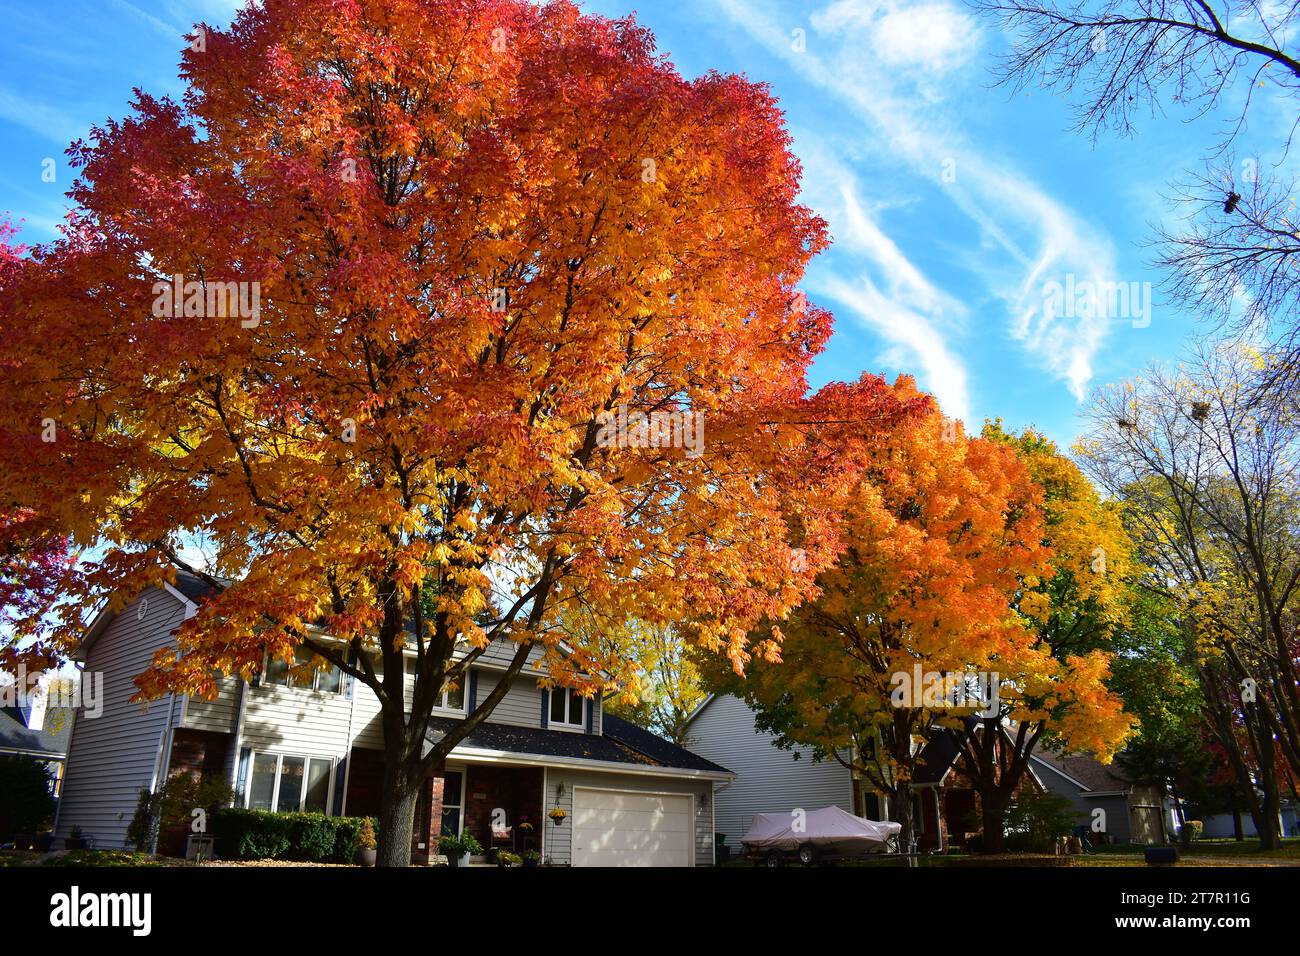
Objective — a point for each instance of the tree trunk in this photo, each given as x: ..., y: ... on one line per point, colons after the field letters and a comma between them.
x: 1237, y: 833
x: 901, y: 809
x: 397, y: 810
x: 1269, y: 837
x: 993, y: 811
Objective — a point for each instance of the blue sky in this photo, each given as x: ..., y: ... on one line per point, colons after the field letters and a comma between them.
x: 952, y: 203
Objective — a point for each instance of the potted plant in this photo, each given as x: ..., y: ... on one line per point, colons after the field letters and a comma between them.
x: 458, y: 849
x: 557, y: 815
x: 532, y: 858
x: 366, y: 844
x: 506, y: 858
x: 74, y: 840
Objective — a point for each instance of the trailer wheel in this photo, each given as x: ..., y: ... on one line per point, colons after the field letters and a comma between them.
x: 808, y: 854
x: 773, y: 859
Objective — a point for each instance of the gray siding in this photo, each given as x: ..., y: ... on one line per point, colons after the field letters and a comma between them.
x: 522, y: 705
x: 558, y: 840
x: 296, y: 720
x: 216, y: 715
x: 768, y: 779
x: 114, y: 756
x: 1117, y: 825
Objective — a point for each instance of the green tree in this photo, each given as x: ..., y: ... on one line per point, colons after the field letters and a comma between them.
x: 26, y: 794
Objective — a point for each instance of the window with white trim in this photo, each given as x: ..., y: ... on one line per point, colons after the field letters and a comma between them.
x: 288, y: 783
x: 327, y: 679
x: 452, y: 699
x: 566, y: 707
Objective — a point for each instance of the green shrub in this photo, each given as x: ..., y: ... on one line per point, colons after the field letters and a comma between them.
x: 26, y: 803
x: 1035, y: 820
x: 262, y: 835
x: 312, y: 837
x: 171, y: 808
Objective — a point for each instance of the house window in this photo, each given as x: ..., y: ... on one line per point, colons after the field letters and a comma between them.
x: 328, y: 679
x: 451, y: 803
x: 452, y: 699
x: 566, y: 707
x: 288, y: 783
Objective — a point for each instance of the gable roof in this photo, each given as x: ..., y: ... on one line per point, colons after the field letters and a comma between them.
x: 194, y: 587
x: 665, y: 752
x: 51, y: 740
x: 1086, y: 771
x: 938, y: 755
x: 620, y: 743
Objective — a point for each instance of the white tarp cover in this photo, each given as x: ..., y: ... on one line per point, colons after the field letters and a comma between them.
x: 830, y: 827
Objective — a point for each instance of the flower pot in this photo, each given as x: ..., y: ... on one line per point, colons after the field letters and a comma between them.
x: 366, y: 857
x: 529, y: 864
x: 74, y: 843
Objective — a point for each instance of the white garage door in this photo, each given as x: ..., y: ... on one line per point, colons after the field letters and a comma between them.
x: 615, y: 828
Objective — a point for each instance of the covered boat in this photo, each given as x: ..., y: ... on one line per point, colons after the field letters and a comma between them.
x: 832, y: 831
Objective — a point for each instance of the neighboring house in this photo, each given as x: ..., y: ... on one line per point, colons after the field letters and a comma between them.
x: 1131, y: 813
x: 768, y: 779
x: 772, y: 780
x: 632, y: 798
x: 33, y: 730
x: 1222, y: 825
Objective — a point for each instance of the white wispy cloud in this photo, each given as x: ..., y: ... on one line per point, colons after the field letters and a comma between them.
x: 891, y: 295
x: 144, y: 16
x: 46, y: 121
x: 896, y: 65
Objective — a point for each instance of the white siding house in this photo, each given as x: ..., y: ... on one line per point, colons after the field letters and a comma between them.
x: 634, y: 799
x: 113, y: 756
x: 768, y: 779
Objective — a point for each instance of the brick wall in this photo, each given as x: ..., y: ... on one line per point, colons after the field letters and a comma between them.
x: 516, y: 790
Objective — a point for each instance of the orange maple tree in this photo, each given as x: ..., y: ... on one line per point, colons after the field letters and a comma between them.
x: 935, y: 535
x: 358, y: 314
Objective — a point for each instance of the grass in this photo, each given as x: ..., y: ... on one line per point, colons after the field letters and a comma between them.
x: 1220, y: 848
x: 84, y: 858
x: 1203, y: 853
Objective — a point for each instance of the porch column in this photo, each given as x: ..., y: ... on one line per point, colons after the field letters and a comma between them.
x: 938, y: 817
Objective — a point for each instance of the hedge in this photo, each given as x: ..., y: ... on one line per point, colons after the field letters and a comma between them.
x: 263, y: 835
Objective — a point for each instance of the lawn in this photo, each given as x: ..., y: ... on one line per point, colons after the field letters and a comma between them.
x: 1203, y: 853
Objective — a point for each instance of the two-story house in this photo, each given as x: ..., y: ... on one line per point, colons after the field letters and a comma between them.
x: 631, y: 797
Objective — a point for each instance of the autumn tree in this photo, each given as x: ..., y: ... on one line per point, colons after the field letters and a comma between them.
x: 1205, y: 463
x: 934, y: 541
x: 36, y: 565
x: 1053, y: 687
x: 663, y: 687
x: 1154, y: 672
x: 363, y: 310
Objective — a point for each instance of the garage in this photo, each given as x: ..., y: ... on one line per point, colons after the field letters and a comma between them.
x: 623, y: 828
